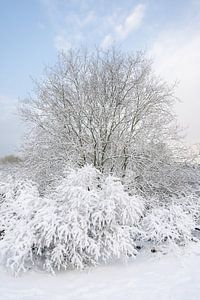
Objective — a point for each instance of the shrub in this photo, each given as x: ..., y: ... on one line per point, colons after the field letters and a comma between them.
x: 170, y: 225
x: 86, y: 220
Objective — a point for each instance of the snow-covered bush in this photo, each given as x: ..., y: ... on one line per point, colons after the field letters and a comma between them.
x: 21, y: 199
x: 86, y: 220
x: 171, y: 225
x: 159, y: 173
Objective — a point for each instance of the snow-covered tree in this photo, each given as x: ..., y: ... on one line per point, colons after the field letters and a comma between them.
x: 107, y: 109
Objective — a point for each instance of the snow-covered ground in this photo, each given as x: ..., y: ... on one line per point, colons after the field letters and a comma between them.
x: 151, y: 276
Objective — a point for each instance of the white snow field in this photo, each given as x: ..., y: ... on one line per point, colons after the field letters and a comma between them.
x: 151, y: 276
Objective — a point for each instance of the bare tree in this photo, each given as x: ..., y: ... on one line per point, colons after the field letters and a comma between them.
x: 105, y: 109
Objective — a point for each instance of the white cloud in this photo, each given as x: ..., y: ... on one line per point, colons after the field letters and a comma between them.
x: 131, y: 23
x: 61, y: 43
x: 176, y: 55
x: 89, y: 18
x: 121, y: 31
x: 67, y: 22
x: 107, y: 41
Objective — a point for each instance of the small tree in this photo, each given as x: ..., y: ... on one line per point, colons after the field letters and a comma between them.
x: 107, y: 109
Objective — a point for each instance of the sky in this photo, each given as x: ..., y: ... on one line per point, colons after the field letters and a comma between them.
x: 33, y: 31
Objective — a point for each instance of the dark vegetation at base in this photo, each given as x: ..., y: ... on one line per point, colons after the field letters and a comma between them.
x: 10, y: 159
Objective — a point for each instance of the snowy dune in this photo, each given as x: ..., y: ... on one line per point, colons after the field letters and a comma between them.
x: 150, y: 277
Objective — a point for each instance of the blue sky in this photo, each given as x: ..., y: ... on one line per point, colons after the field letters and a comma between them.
x: 33, y: 31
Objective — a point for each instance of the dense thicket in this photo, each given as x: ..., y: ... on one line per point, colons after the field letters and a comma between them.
x: 88, y: 218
